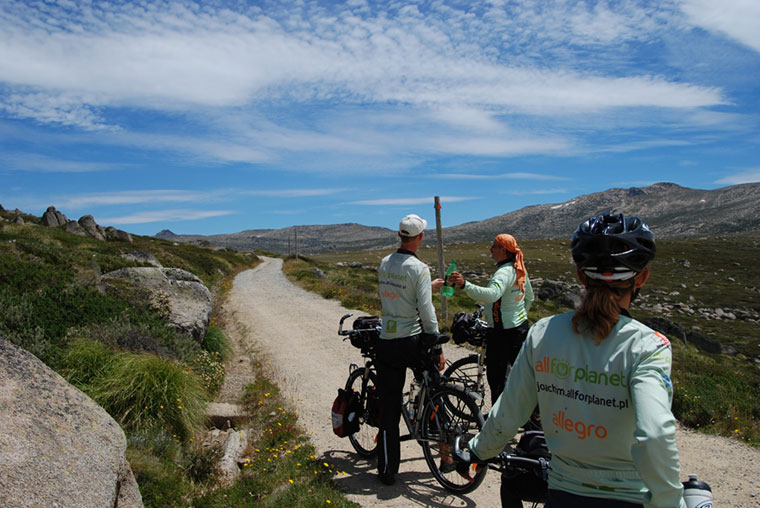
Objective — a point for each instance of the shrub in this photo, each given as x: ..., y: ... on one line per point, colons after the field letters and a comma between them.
x: 162, y: 482
x: 202, y: 462
x: 84, y: 361
x: 217, y: 342
x: 146, y: 390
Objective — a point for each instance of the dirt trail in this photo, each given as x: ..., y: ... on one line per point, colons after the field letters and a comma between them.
x: 296, y: 330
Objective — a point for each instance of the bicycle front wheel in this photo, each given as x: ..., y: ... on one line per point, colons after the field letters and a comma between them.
x: 363, y: 440
x: 449, y: 413
x: 464, y: 372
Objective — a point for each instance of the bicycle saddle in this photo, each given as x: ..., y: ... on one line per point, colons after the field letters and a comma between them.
x: 433, y: 339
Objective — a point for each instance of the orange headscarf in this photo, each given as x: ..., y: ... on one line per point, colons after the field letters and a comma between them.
x: 509, y: 243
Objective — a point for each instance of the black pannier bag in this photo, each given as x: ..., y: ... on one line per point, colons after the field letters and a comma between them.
x: 367, y: 338
x: 461, y: 327
x: 522, y: 484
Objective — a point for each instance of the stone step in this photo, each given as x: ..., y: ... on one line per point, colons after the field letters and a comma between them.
x: 220, y: 413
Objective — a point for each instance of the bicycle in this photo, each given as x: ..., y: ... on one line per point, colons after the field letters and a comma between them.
x: 434, y: 411
x: 524, y: 473
x: 470, y: 371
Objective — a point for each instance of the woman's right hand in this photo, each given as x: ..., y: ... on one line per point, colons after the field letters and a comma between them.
x: 456, y: 279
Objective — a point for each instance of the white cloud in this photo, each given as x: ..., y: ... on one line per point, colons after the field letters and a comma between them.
x: 510, y: 176
x: 140, y: 197
x: 164, y: 216
x: 524, y: 192
x: 410, y: 201
x: 43, y: 164
x: 736, y: 19
x: 747, y: 176
x: 169, y: 56
x: 294, y: 193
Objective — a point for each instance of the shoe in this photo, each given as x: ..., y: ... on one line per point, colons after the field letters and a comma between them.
x: 447, y: 461
x: 387, y: 478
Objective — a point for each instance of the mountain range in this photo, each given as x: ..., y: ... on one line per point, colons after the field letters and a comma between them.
x: 669, y: 209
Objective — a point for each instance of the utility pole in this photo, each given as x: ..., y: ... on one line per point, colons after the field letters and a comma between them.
x: 295, y: 230
x: 441, y: 266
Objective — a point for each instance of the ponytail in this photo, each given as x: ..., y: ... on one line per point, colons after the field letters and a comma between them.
x: 598, y: 313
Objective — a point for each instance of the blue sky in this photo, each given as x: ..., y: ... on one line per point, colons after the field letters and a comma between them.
x: 219, y: 117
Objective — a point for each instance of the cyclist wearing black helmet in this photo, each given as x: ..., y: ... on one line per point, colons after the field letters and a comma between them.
x: 602, y: 382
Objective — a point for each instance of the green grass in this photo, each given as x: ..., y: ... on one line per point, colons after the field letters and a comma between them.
x: 152, y: 379
x: 138, y: 390
x: 713, y: 393
x: 281, y: 467
x: 216, y: 341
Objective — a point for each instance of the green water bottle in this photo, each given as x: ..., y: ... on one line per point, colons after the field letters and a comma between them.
x: 448, y: 289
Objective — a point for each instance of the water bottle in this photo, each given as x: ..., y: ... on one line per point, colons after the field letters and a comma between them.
x: 697, y: 494
x: 448, y: 289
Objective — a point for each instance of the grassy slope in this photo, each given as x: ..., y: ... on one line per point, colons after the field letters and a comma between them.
x: 715, y: 393
x: 49, y: 305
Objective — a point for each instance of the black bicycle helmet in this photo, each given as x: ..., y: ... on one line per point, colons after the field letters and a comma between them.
x: 612, y: 247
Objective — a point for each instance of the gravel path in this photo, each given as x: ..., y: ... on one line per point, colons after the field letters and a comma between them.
x: 297, y: 331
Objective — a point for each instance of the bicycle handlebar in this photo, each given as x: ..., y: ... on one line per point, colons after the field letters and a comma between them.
x: 502, y: 459
x: 341, y: 331
x: 355, y: 331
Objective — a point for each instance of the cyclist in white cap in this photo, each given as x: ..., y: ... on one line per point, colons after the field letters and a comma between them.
x: 406, y: 297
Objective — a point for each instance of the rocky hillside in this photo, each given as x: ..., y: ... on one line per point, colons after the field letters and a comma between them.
x: 336, y: 237
x: 670, y: 209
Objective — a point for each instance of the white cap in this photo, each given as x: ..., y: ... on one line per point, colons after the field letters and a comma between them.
x: 412, y: 225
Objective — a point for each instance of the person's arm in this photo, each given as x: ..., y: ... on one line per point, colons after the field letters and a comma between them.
x: 425, y: 302
x: 529, y: 296
x: 513, y: 408
x: 494, y: 290
x: 655, y: 453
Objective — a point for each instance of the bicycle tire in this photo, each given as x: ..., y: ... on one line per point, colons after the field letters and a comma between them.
x: 465, y: 372
x: 363, y: 440
x: 441, y: 425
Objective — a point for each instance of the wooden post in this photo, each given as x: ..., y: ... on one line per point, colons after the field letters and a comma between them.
x: 295, y: 231
x: 441, y: 266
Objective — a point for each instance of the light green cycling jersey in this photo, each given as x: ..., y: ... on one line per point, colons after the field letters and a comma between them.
x: 514, y: 304
x: 406, y: 296
x: 605, y: 410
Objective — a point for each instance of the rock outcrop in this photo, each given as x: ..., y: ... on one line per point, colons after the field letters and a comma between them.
x: 117, y: 234
x: 53, y: 218
x: 85, y: 226
x: 88, y: 224
x: 562, y: 292
x: 58, y: 448
x: 675, y: 331
x: 177, y: 294
x: 142, y: 257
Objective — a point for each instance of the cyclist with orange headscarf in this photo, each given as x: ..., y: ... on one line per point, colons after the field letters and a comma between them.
x: 507, y: 298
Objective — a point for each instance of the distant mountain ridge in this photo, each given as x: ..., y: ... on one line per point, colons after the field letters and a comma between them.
x: 671, y: 210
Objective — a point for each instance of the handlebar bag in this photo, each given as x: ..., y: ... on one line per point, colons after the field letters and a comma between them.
x: 346, y: 409
x: 370, y: 335
x: 461, y: 327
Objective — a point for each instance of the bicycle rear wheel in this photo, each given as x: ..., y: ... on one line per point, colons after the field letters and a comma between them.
x: 464, y: 372
x: 449, y: 413
x: 363, y: 440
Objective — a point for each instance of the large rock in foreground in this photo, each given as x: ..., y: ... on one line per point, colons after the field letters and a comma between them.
x: 177, y: 294
x: 58, y: 448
